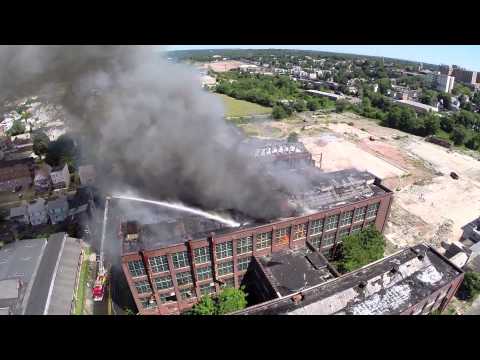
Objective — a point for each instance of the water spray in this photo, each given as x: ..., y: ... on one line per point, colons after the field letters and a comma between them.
x: 181, y: 207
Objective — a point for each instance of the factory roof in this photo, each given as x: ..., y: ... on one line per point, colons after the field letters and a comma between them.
x: 290, y: 271
x: 320, y: 191
x: 389, y: 286
x: 417, y: 105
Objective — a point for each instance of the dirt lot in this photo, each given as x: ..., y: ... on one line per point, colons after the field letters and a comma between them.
x: 223, y: 66
x: 429, y: 206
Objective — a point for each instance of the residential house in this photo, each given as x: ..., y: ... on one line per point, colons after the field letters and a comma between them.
x: 42, y: 180
x: 57, y: 210
x: 80, y: 202
x: 60, y: 177
x: 19, y: 214
x: 86, y: 174
x: 37, y: 212
x: 12, y: 177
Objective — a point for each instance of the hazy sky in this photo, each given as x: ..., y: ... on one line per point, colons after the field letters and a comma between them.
x: 467, y: 56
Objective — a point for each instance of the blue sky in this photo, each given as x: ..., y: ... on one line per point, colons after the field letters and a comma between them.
x: 467, y: 56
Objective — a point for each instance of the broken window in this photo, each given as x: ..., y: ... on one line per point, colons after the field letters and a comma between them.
x: 328, y: 239
x: 331, y: 222
x: 372, y: 210
x: 202, y: 255
x: 356, y: 228
x: 346, y: 218
x: 299, y: 231
x: 180, y: 260
x: 184, y: 278
x: 143, y: 286
x: 158, y: 263
x: 243, y: 263
x: 163, y: 282
x: 315, y: 241
x: 244, y: 245
x: 136, y: 268
x: 225, y: 268
x: 316, y: 227
x: 359, y: 214
x: 224, y: 250
x: 342, y: 233
x: 230, y: 282
x: 167, y: 297
x: 264, y: 240
x: 207, y: 289
x: 282, y: 236
x: 187, y: 293
x: 148, y: 303
x: 204, y: 273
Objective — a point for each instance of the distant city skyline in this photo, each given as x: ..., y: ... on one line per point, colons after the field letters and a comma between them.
x: 467, y: 56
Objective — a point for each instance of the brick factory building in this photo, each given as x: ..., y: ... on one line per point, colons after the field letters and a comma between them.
x: 413, y: 281
x: 172, y: 260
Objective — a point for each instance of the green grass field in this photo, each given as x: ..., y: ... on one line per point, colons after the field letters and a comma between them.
x: 235, y: 108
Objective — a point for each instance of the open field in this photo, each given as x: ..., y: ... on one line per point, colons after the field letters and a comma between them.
x: 429, y: 206
x: 238, y: 108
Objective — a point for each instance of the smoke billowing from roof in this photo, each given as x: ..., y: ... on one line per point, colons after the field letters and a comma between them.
x: 148, y: 123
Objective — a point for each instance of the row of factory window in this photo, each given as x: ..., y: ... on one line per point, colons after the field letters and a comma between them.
x: 185, y: 293
x: 185, y: 278
x: 262, y: 241
x: 329, y: 237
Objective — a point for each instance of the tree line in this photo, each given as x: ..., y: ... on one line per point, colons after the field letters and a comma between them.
x: 279, y: 92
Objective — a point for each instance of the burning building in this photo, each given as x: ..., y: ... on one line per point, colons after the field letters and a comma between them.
x: 173, y: 262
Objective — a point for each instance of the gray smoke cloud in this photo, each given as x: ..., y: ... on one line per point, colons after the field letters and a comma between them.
x: 147, y: 123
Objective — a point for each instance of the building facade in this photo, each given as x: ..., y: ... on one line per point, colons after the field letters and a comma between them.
x: 171, y: 279
x: 60, y: 177
x: 444, y: 83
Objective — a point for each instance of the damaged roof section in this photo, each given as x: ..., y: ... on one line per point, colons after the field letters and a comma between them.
x: 324, y: 191
x: 290, y: 271
x: 387, y: 287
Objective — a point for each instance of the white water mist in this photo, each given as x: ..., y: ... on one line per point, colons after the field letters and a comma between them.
x: 184, y: 208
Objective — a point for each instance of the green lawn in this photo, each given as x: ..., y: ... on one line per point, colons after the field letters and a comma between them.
x: 235, y: 108
x: 84, y: 274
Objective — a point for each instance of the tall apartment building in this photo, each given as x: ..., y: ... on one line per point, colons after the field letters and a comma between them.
x: 465, y: 76
x: 446, y: 70
x: 444, y: 83
x: 172, y: 263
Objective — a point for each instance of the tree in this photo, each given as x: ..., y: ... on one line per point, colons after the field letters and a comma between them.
x: 447, y: 123
x: 384, y: 85
x: 300, y: 105
x: 430, y: 125
x: 471, y: 284
x: 18, y: 127
x: 312, y: 104
x: 458, y: 135
x: 230, y: 300
x: 429, y: 97
x: 292, y: 137
x: 279, y: 112
x: 361, y: 249
x: 206, y: 306
x: 446, y: 100
x: 61, y: 151
x: 473, y: 142
x: 341, y: 105
x: 40, y: 144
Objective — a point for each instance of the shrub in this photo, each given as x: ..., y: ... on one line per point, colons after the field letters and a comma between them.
x: 361, y: 249
x: 471, y: 284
